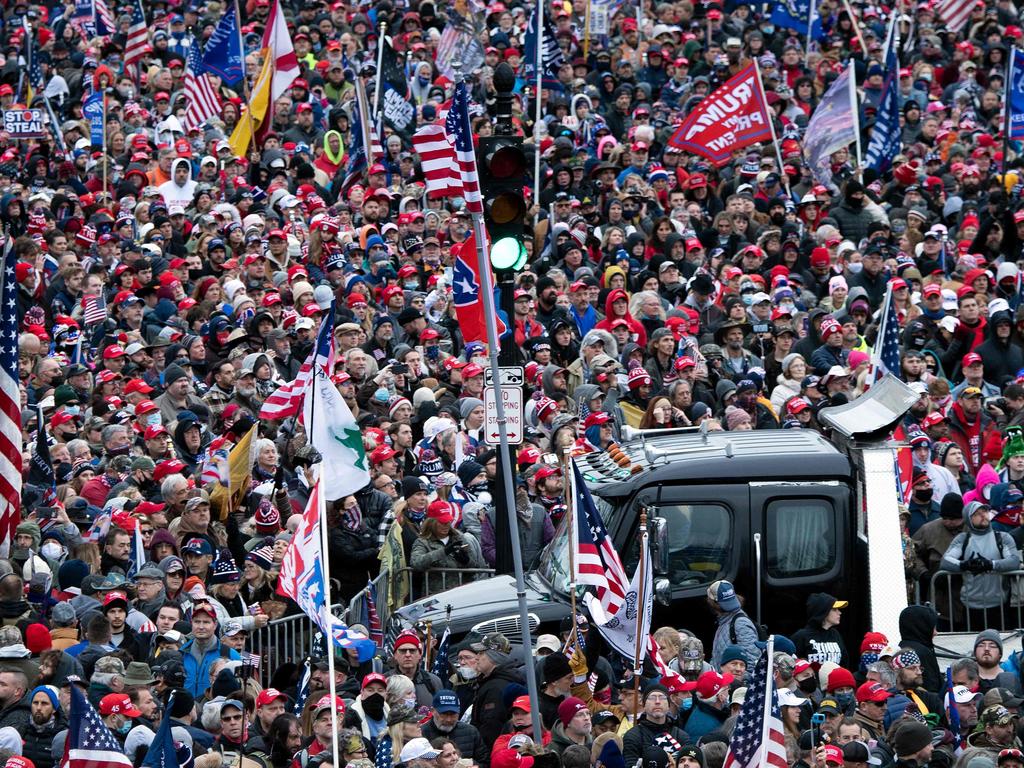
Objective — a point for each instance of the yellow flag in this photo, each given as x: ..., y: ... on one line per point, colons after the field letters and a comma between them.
x: 259, y: 103
x: 240, y: 462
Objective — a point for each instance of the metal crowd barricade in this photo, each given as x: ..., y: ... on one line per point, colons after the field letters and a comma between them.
x: 450, y: 577
x: 944, y: 594
x: 283, y: 641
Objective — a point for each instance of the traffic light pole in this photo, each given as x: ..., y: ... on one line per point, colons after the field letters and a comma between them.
x: 487, y: 290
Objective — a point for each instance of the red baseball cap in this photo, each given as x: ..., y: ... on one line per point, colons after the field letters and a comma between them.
x: 113, y: 352
x: 442, y: 511
x: 472, y: 370
x: 267, y: 695
x: 155, y: 431
x: 872, y: 692
x: 710, y: 683
x: 137, y: 385
x: 382, y: 453
x: 118, y: 704
x: 971, y: 358
x: 375, y: 677
x: 144, y: 407
x: 834, y: 754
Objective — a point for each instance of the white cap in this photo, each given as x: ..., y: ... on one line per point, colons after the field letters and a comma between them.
x: 549, y: 643
x: 787, y: 698
x: 418, y: 749
x: 963, y: 695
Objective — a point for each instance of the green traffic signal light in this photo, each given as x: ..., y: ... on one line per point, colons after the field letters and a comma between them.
x: 508, y: 253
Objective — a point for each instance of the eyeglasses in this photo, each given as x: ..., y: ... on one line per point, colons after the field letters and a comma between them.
x: 146, y: 531
x: 230, y: 718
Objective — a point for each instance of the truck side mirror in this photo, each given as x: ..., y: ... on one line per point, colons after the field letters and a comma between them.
x: 659, y: 545
x: 663, y: 591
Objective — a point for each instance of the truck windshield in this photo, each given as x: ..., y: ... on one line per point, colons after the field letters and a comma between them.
x: 554, y: 561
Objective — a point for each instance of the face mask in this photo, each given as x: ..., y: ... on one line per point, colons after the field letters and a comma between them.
x: 416, y: 515
x: 52, y: 551
x: 810, y: 685
x: 56, y: 381
x: 412, y: 285
x: 195, y: 274
x: 381, y: 395
x: 787, y: 307
x: 373, y: 706
x: 687, y: 705
x: 153, y: 420
x: 467, y: 673
x: 844, y: 700
x: 855, y: 267
x: 768, y: 29
x: 629, y: 213
x: 925, y: 494
x: 74, y: 410
x: 410, y: 703
x: 476, y: 488
x: 124, y: 727
x: 122, y: 451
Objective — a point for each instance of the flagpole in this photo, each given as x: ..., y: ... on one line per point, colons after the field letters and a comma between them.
x: 104, y: 143
x: 491, y: 325
x: 538, y: 57
x: 586, y: 31
x: 856, y: 27
x: 321, y: 514
x: 246, y: 90
x: 766, y: 715
x: 569, y: 490
x: 771, y: 126
x: 381, y: 42
x: 856, y: 116
x: 641, y: 606
x: 1008, y: 90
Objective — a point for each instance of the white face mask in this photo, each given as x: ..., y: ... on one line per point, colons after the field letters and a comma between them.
x: 855, y: 267
x: 52, y: 550
x: 467, y: 673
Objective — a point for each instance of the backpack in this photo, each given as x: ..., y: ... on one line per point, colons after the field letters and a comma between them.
x: 762, y: 630
x: 967, y: 540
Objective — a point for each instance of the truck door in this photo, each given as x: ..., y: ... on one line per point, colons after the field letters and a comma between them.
x: 801, y: 545
x: 706, y: 539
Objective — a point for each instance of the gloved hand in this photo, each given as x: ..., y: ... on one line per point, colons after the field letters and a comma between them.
x: 578, y: 664
x: 983, y: 564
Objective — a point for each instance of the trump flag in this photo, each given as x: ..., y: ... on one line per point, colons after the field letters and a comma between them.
x: 734, y: 116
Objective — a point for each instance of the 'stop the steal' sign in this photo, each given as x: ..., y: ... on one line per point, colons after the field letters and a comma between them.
x: 25, y: 123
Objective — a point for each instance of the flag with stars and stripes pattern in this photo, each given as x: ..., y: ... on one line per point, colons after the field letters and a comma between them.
x: 461, y: 136
x: 90, y: 743
x: 758, y: 740
x: 137, y: 45
x: 10, y: 403
x: 886, y: 354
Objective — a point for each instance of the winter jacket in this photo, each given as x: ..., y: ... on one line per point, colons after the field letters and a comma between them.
x: 430, y: 554
x: 784, y: 389
x: 815, y: 643
x: 704, y: 719
x: 490, y: 710
x: 17, y: 715
x: 982, y: 590
x: 38, y: 740
x: 1002, y: 358
x: 643, y: 735
x: 917, y: 625
x: 824, y: 357
x: 975, y: 440
x: 197, y: 673
x: 735, y: 628
x: 635, y: 326
x: 466, y: 738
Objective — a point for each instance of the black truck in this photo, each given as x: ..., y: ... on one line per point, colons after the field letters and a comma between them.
x: 780, y: 513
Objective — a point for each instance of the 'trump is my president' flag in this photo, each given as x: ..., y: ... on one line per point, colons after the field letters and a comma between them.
x: 1015, y: 95
x: 466, y: 284
x: 733, y: 117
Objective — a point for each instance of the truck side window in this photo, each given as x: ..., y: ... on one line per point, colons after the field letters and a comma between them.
x: 699, y: 542
x: 800, y: 537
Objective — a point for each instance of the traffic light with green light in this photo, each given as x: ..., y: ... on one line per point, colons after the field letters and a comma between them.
x: 502, y: 165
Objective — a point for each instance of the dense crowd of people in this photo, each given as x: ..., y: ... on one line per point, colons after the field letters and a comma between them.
x: 167, y: 286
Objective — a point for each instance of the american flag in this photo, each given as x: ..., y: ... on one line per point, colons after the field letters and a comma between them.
x: 885, y: 356
x: 202, y: 100
x: 440, y: 667
x: 90, y: 744
x: 99, y: 527
x: 437, y: 158
x: 10, y: 402
x: 371, y: 616
x: 95, y: 309
x: 954, y: 12
x: 302, y: 693
x: 758, y: 740
x: 459, y: 41
x: 597, y: 563
x: 40, y: 469
x: 103, y: 18
x: 460, y: 134
x: 286, y: 400
x: 137, y: 45
x: 376, y: 145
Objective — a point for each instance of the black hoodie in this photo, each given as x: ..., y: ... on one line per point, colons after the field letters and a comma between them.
x: 814, y: 642
x: 1002, y: 358
x: 917, y: 627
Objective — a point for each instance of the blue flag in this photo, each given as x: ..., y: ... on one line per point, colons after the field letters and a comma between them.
x: 884, y: 143
x: 1015, y: 101
x: 92, y: 109
x: 551, y: 57
x: 801, y: 15
x: 440, y: 667
x: 161, y: 753
x: 223, y: 54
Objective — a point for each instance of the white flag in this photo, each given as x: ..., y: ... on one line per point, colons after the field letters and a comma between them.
x: 337, y: 437
x: 620, y: 628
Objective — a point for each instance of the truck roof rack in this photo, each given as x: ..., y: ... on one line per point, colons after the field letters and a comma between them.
x: 692, y: 452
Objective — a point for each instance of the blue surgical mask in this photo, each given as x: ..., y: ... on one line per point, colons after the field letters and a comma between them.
x: 153, y: 420
x: 381, y: 395
x: 412, y: 285
x: 768, y: 29
x: 687, y: 705
x: 844, y: 700
x: 74, y: 410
